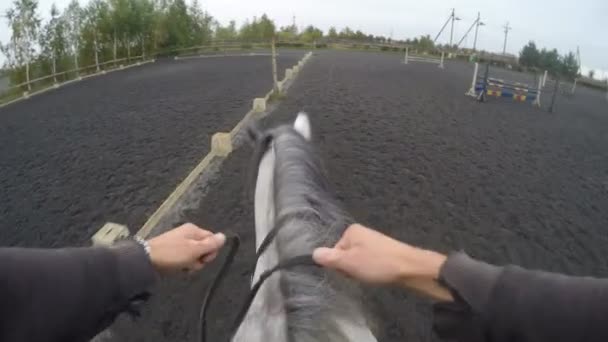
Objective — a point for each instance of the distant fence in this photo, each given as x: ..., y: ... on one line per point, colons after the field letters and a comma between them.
x: 25, y: 89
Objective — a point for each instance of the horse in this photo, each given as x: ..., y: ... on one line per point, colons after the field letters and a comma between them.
x: 292, y: 199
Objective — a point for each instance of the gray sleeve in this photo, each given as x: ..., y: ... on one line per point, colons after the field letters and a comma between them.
x: 514, y: 304
x: 68, y: 294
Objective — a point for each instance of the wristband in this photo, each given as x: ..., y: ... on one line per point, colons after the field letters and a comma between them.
x: 144, y: 244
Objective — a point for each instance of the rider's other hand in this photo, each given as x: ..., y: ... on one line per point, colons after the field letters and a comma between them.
x: 186, y: 247
x: 372, y: 257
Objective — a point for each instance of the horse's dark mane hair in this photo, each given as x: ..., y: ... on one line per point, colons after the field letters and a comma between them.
x: 311, y: 217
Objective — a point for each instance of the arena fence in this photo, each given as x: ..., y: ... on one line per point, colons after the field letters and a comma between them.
x: 42, y: 84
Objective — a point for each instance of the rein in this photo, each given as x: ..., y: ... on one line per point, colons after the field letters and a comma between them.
x: 234, y: 241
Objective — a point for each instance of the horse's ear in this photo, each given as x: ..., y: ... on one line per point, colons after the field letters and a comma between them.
x: 302, y: 125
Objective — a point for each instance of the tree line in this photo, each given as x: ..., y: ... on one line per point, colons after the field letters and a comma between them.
x: 550, y: 60
x: 106, y: 30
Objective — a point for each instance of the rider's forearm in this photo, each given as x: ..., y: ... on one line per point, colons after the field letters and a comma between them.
x: 420, y: 272
x: 495, y: 302
x: 68, y: 294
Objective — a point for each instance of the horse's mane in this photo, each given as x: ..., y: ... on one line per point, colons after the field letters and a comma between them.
x: 311, y: 217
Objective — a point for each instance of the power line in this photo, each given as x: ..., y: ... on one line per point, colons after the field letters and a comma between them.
x: 507, y: 29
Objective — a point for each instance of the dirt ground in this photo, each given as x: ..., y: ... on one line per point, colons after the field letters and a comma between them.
x: 412, y: 156
x: 113, y: 147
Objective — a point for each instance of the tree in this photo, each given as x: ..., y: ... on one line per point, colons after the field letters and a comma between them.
x: 25, y: 25
x: 425, y: 43
x: 226, y: 33
x: 72, y: 17
x: 346, y: 33
x: 550, y: 60
x: 201, y: 24
x: 93, y: 24
x: 332, y: 33
x: 52, y: 41
x: 591, y: 73
x: 288, y: 33
x: 258, y: 29
x: 178, y: 25
x: 311, y: 34
x: 569, y: 65
x: 529, y: 55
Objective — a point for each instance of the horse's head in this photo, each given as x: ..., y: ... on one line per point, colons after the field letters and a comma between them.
x: 293, y: 200
x: 287, y: 167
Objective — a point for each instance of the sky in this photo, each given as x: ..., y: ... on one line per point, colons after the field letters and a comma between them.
x: 560, y: 24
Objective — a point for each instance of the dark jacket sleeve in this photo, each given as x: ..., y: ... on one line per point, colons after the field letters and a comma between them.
x: 513, y: 304
x: 68, y: 294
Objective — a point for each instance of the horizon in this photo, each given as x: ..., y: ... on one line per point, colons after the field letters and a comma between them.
x: 427, y: 19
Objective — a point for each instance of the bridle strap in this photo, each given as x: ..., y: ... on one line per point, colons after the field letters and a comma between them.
x: 273, y: 232
x: 234, y: 242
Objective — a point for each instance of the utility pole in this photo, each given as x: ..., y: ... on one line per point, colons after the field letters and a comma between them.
x: 479, y: 23
x: 452, y: 17
x: 476, y: 23
x: 507, y: 29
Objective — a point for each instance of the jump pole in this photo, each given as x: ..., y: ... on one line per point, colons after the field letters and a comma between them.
x: 545, y: 78
x: 441, y: 62
x: 574, y: 86
x: 555, y: 90
x: 471, y: 91
x: 540, y: 85
x: 406, y: 54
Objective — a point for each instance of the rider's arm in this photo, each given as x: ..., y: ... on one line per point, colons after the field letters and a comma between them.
x: 72, y: 294
x: 510, y: 303
x: 68, y: 294
x: 477, y: 301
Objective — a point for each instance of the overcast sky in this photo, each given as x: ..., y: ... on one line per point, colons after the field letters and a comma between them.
x: 561, y: 24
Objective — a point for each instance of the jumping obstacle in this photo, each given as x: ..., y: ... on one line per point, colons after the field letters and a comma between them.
x: 488, y: 86
x: 433, y: 60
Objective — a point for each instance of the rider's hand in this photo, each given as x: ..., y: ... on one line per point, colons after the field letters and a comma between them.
x: 372, y: 257
x: 186, y: 247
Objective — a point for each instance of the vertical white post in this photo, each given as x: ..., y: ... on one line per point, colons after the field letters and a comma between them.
x: 471, y: 91
x: 274, y: 68
x: 540, y: 85
x: 441, y: 61
x: 27, y: 74
x: 545, y: 78
x: 574, y: 86
x: 96, y: 52
x: 54, y: 69
x: 407, y: 48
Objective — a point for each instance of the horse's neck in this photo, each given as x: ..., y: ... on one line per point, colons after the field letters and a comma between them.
x: 266, y: 319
